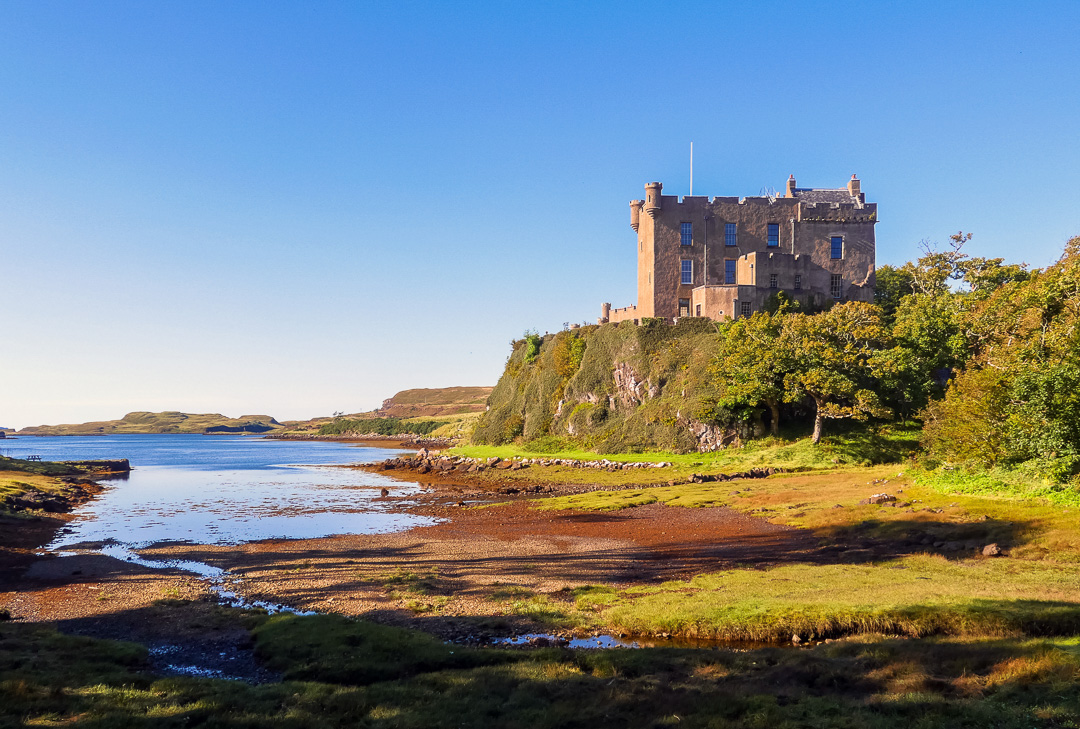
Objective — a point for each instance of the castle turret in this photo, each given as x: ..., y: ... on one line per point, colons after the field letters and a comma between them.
x: 652, y: 198
x: 635, y: 213
x: 791, y: 186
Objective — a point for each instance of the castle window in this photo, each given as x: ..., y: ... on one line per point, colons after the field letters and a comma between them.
x: 774, y: 235
x: 684, y: 307
x: 773, y: 283
x: 836, y: 286
x: 729, y: 234
x: 744, y: 308
x: 687, y: 272
x: 729, y: 271
x: 798, y: 282
x: 837, y: 246
x: 687, y: 234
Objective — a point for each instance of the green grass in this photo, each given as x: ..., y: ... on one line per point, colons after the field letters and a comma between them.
x: 1000, y: 482
x: 43, y: 468
x: 342, y: 673
x: 857, y: 446
x: 915, y: 595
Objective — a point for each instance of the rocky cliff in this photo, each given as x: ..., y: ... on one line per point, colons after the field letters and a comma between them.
x: 615, y: 387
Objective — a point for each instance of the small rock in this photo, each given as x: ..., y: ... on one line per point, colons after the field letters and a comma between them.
x: 992, y: 550
x: 796, y: 639
x: 384, y: 492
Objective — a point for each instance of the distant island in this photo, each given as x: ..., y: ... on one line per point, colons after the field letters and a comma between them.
x: 170, y: 421
x: 422, y: 402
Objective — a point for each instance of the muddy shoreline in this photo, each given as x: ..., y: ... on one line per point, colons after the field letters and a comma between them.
x: 463, y: 579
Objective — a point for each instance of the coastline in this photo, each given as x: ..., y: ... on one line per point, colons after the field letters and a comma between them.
x: 401, y: 441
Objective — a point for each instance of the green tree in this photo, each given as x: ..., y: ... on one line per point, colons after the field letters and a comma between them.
x: 984, y: 276
x: 891, y: 285
x: 930, y: 344
x: 750, y: 366
x: 1018, y: 400
x: 832, y: 360
x: 966, y: 427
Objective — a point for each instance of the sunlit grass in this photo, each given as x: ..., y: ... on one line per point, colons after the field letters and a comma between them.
x: 913, y: 595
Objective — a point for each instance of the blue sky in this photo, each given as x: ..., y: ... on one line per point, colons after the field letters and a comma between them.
x: 293, y: 209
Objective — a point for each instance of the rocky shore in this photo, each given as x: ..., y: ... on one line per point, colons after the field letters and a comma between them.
x: 427, y: 465
x: 403, y: 441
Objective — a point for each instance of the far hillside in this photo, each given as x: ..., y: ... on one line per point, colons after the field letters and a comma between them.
x: 445, y: 412
x: 170, y: 421
x: 434, y: 402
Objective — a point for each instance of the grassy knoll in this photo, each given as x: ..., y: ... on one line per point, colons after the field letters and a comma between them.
x: 340, y: 673
x: 18, y: 476
x: 913, y: 570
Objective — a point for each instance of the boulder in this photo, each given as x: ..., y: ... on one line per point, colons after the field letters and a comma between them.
x: 992, y: 550
x: 879, y: 499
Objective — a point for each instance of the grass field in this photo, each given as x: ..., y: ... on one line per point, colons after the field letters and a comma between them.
x: 902, y: 585
x: 343, y: 673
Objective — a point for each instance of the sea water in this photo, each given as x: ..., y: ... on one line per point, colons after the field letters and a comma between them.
x: 224, y: 490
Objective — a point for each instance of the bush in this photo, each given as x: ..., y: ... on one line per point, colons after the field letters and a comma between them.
x: 380, y: 426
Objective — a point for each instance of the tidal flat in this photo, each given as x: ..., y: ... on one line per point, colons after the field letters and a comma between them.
x: 842, y: 613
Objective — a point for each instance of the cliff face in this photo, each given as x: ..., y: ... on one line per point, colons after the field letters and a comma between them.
x: 614, y: 387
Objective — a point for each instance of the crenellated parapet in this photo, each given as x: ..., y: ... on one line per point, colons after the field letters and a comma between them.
x: 824, y: 212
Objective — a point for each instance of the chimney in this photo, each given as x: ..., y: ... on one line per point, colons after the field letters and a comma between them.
x: 791, y: 186
x: 853, y: 186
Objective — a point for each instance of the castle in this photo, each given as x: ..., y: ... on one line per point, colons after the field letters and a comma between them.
x: 723, y: 257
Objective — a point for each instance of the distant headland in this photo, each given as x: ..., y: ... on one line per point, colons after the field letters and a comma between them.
x: 405, y: 404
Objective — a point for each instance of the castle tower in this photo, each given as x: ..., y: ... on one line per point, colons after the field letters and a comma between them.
x: 652, y: 198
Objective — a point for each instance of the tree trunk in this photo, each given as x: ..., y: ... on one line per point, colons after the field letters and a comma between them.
x: 819, y: 423
x: 774, y: 412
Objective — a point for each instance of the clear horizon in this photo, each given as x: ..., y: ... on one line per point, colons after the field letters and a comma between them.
x: 295, y: 210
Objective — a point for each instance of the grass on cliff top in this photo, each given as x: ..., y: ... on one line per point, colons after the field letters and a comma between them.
x: 858, y: 445
x: 18, y: 476
x: 356, y: 674
x: 44, y: 468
